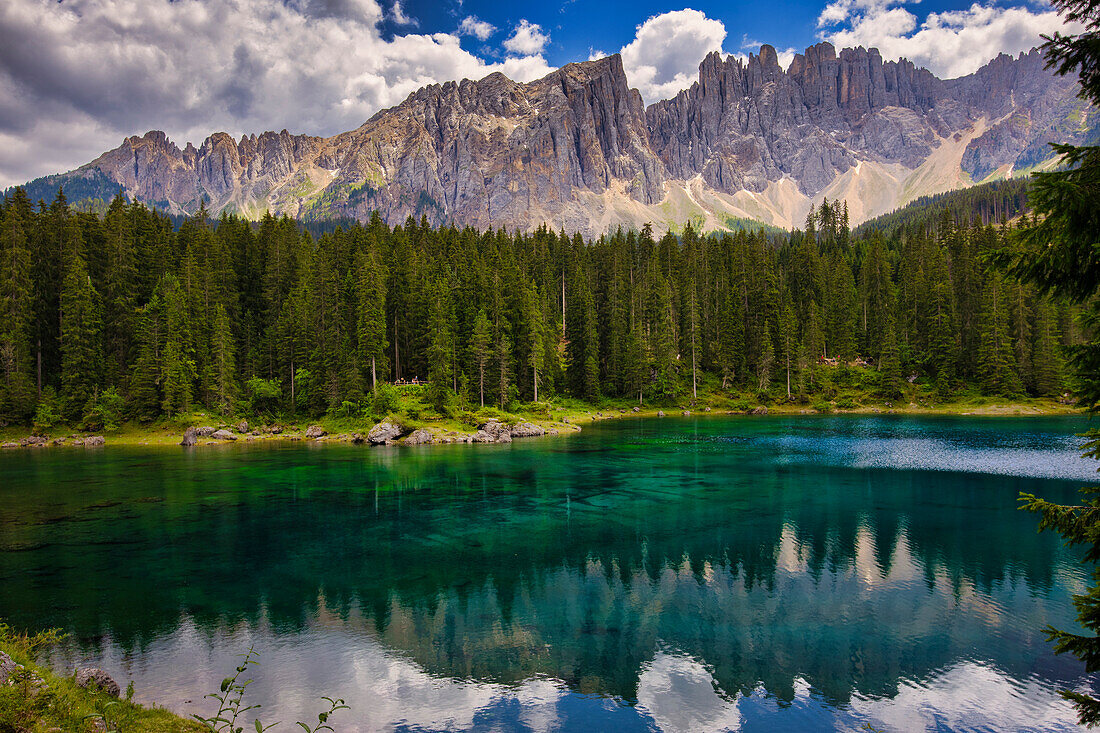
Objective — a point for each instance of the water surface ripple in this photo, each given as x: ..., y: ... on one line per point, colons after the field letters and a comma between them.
x: 706, y: 574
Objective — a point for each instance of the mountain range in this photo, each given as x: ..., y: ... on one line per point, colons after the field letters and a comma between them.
x: 578, y: 149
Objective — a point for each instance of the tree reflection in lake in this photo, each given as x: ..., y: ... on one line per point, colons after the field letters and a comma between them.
x: 694, y: 575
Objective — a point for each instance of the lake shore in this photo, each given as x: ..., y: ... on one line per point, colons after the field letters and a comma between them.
x: 551, y: 420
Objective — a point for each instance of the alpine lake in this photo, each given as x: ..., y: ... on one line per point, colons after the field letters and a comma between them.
x: 677, y: 574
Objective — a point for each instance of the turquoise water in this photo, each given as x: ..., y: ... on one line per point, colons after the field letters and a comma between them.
x: 679, y: 574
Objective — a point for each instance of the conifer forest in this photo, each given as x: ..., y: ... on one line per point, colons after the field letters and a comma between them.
x: 125, y: 312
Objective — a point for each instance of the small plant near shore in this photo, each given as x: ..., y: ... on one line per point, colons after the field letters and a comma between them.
x: 231, y: 707
x: 29, y: 644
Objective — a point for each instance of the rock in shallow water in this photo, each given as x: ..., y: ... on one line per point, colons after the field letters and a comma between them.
x: 190, y: 437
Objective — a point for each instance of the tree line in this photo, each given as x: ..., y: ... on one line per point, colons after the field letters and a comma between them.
x: 123, y: 313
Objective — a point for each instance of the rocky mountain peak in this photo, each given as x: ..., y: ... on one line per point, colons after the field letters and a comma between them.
x: 578, y: 148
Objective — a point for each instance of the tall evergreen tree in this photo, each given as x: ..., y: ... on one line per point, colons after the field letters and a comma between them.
x: 1059, y: 257
x: 81, y: 349
x: 17, y: 393
x: 480, y: 344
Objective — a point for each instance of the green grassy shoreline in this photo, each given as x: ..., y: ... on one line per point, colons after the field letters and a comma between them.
x: 556, y: 417
x: 36, y: 699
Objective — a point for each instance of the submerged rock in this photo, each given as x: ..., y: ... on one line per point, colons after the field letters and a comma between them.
x: 95, y: 678
x: 384, y: 432
x: 190, y: 437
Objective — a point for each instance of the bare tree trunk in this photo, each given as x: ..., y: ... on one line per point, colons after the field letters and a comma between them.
x: 40, y: 369
x: 535, y: 373
x: 788, y: 368
x: 482, y: 377
x: 373, y: 376
x: 292, y: 403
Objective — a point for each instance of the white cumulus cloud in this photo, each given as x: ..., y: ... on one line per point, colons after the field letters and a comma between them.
x: 472, y: 26
x: 950, y: 44
x: 76, y: 77
x: 527, y: 39
x: 400, y: 17
x: 664, y: 56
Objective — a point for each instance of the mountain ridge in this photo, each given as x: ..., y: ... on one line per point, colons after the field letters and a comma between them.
x: 578, y: 149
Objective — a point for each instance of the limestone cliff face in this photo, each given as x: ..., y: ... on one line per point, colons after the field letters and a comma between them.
x: 494, y: 152
x: 743, y: 126
x: 578, y: 149
x: 222, y: 171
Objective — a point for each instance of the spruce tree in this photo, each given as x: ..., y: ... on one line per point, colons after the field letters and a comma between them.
x: 996, y: 360
x: 177, y: 366
x: 767, y: 360
x: 480, y: 344
x: 439, y: 346
x: 371, y: 294
x: 81, y: 350
x: 145, y: 377
x: 1058, y: 255
x: 662, y: 335
x: 17, y: 393
x: 892, y: 383
x: 223, y: 379
x: 1046, y: 359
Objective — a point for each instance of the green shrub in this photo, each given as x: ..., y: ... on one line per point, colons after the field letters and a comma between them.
x: 347, y: 409
x: 103, y: 411
x: 846, y: 403
x: 264, y: 394
x: 386, y: 400
x: 48, y: 413
x: 822, y: 407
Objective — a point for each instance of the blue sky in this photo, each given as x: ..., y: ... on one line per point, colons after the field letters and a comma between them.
x: 77, y: 76
x: 575, y: 26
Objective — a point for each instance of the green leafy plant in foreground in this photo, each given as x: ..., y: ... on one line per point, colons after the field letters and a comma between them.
x: 231, y: 705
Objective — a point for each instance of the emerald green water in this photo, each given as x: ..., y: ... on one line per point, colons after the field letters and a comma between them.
x: 677, y: 574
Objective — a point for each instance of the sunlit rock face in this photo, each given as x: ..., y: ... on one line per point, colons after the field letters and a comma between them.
x: 577, y: 149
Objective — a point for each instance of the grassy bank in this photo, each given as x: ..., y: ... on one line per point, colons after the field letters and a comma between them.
x: 37, y: 699
x: 847, y: 391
